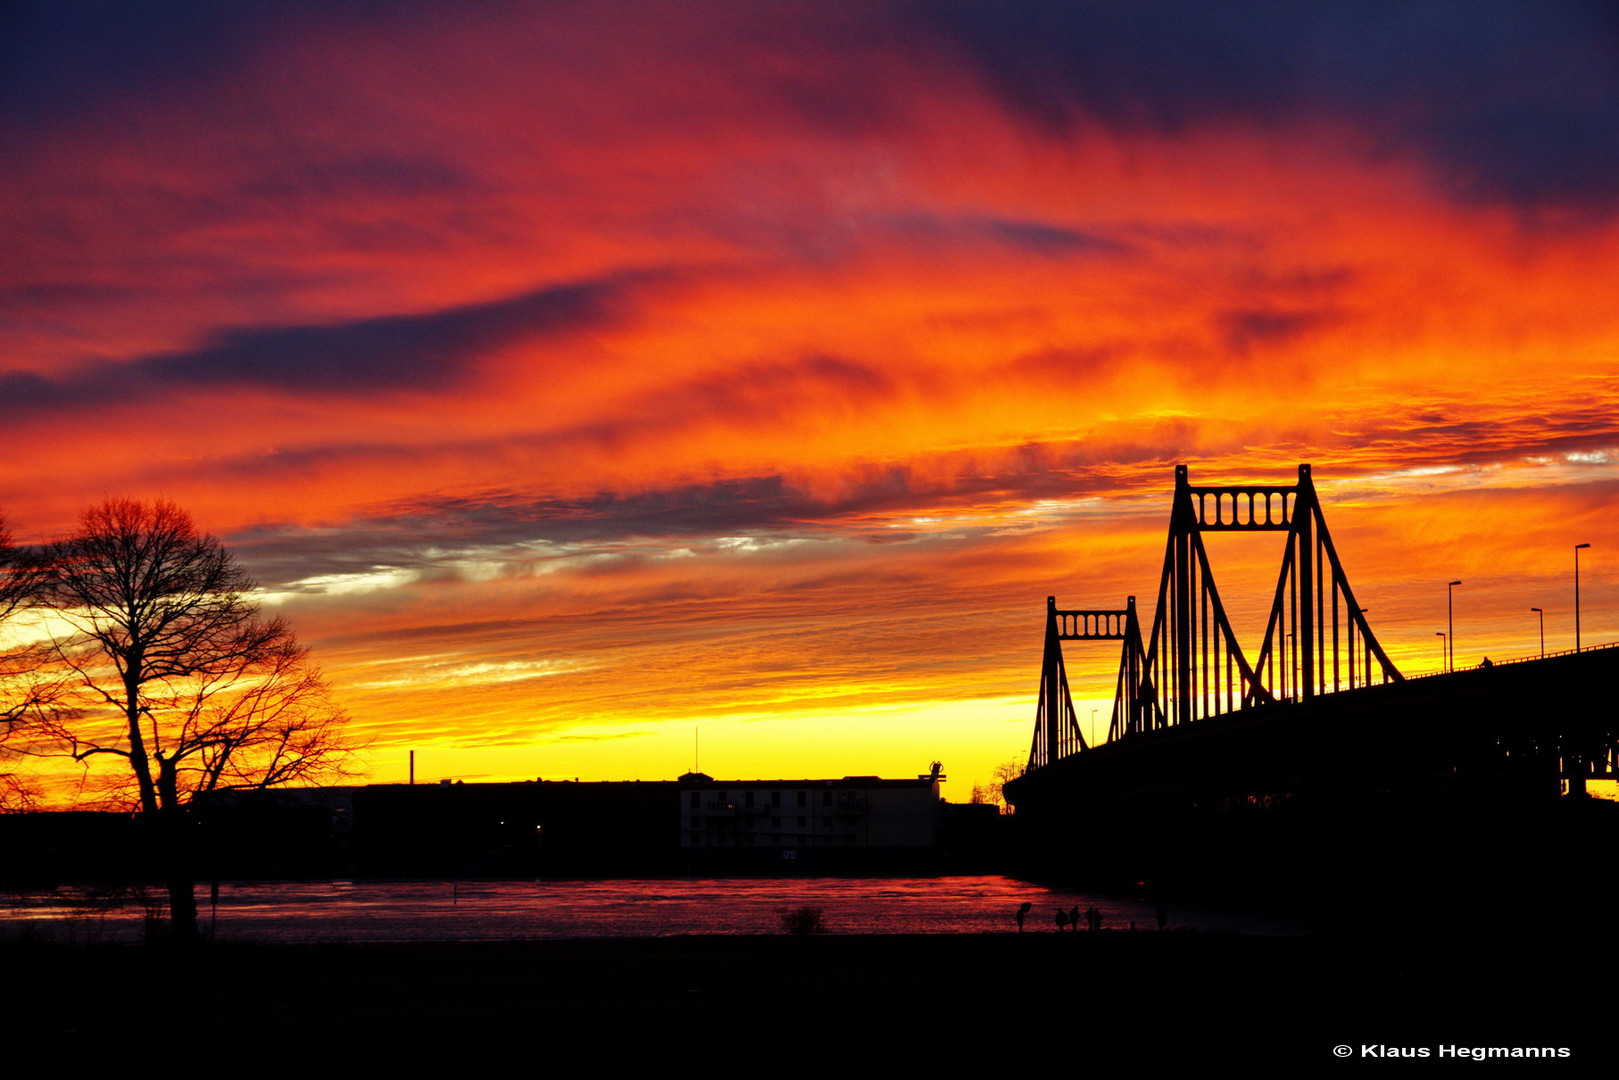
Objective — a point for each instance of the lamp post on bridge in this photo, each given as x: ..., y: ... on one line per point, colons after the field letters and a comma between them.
x: 1542, y: 631
x: 1450, y: 622
x: 1444, y: 657
x: 1577, y: 548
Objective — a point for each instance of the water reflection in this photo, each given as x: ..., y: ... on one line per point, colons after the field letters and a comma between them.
x: 296, y: 912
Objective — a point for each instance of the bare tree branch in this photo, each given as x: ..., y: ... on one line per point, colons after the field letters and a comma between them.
x: 29, y: 694
x: 178, y: 673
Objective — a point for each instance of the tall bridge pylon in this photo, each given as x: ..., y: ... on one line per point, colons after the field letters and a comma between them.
x: 1190, y: 665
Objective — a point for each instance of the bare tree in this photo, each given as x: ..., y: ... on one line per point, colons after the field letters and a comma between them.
x: 27, y: 692
x: 1005, y: 772
x: 182, y: 680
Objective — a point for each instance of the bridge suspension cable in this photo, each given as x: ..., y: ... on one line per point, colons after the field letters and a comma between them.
x: 1190, y: 665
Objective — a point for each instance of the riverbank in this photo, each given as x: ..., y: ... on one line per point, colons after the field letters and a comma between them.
x: 723, y: 1001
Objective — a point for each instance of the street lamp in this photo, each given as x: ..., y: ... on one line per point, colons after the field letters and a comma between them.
x: 1577, y: 548
x: 1450, y: 620
x: 1542, y: 631
x: 1444, y: 658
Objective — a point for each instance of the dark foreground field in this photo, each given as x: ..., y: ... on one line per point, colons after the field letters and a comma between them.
x: 786, y: 1005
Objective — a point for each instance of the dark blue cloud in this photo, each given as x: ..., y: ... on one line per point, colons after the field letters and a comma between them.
x: 358, y: 175
x: 420, y: 534
x: 1042, y: 238
x: 430, y: 351
x: 426, y: 351
x: 63, y: 58
x: 1507, y: 102
x: 1533, y: 153
x: 1246, y: 329
x: 60, y: 59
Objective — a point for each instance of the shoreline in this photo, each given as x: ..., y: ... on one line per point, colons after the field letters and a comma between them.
x: 1175, y: 996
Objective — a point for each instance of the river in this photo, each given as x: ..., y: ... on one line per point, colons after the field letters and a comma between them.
x: 378, y: 911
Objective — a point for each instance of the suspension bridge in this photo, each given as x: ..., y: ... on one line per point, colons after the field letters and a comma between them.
x: 1216, y: 765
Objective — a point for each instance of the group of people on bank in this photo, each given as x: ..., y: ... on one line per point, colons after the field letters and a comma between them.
x: 1070, y: 918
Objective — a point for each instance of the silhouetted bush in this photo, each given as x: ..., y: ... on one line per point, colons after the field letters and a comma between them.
x: 804, y: 920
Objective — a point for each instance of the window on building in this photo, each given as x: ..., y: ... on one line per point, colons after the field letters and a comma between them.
x: 803, y: 798
x: 826, y: 797
x: 747, y: 798
x: 696, y: 799
x: 775, y: 798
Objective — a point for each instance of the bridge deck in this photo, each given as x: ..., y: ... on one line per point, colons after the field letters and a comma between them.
x: 1508, y: 726
x: 1443, y: 792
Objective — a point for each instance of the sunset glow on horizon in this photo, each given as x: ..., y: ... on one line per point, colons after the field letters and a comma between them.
x: 578, y: 377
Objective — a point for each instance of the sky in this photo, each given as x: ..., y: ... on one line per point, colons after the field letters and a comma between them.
x: 606, y: 388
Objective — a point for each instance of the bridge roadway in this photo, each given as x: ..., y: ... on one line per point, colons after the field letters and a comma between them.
x: 1375, y: 788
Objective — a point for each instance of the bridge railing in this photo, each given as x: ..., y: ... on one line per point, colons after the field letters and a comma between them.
x: 1519, y: 660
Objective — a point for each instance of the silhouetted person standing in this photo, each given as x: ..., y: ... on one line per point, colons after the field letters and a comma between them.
x: 1022, y: 911
x: 1062, y: 920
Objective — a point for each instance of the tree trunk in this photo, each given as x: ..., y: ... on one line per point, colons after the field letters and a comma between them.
x: 183, y: 907
x: 174, y: 836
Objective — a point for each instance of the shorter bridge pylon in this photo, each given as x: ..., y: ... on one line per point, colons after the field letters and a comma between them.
x: 1056, y: 726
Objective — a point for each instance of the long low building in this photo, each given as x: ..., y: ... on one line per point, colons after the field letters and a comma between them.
x: 695, y: 824
x: 846, y: 823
